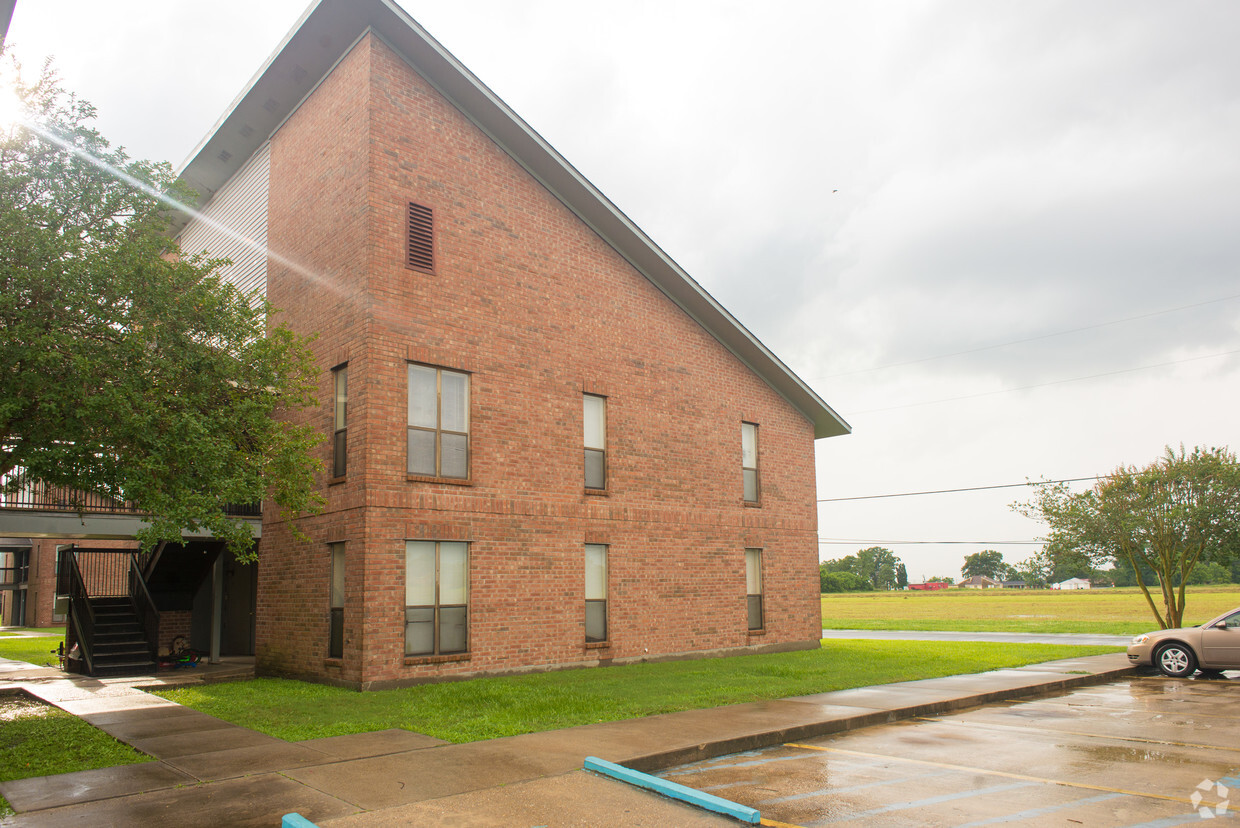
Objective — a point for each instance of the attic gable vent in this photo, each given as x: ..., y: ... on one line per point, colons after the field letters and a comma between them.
x: 421, y: 255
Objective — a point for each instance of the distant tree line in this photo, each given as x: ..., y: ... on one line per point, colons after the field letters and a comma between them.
x: 870, y: 569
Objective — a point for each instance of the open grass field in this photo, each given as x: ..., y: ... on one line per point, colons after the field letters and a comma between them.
x: 486, y: 708
x: 1120, y: 611
x: 39, y: 651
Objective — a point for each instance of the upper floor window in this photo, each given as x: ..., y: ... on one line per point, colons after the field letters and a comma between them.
x: 340, y: 419
x: 438, y: 422
x: 420, y: 246
x: 594, y: 417
x: 749, y: 461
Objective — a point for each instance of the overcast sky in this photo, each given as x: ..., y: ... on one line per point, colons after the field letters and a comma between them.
x: 1001, y: 239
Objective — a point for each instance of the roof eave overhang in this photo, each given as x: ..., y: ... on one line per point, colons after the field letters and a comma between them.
x: 324, y: 33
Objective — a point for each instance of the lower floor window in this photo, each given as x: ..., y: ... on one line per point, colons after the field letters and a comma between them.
x: 335, y: 640
x: 436, y: 597
x: 753, y: 587
x: 596, y: 592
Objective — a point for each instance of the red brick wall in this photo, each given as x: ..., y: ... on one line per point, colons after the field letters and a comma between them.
x: 539, y: 310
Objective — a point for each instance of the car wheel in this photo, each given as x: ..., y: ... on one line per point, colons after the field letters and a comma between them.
x: 1176, y: 660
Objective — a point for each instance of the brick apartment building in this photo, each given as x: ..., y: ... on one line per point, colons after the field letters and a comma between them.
x: 546, y: 446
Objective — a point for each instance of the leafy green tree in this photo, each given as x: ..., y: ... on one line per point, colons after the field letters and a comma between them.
x: 878, y: 566
x: 1165, y: 518
x: 941, y: 579
x: 1035, y: 570
x: 129, y: 371
x: 842, y: 581
x: 988, y: 562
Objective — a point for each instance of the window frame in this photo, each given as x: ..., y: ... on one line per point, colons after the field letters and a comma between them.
x: 335, y: 599
x: 594, y: 450
x: 749, y: 431
x: 438, y: 605
x: 604, y: 551
x: 340, y: 421
x: 438, y: 430
x: 754, y: 577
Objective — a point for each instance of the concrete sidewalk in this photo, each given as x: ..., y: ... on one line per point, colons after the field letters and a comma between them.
x: 211, y: 772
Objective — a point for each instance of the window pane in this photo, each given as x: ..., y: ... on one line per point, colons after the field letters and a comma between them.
x: 596, y: 571
x: 596, y: 469
x: 595, y: 420
x: 423, y: 397
x: 596, y: 620
x: 749, y: 445
x: 753, y: 571
x: 342, y: 396
x: 419, y: 573
x: 453, y: 572
x: 454, y: 390
x: 420, y: 631
x: 335, y: 641
x: 339, y: 442
x: 751, y: 484
x: 755, y: 612
x: 421, y: 451
x: 452, y: 630
x: 337, y: 552
x: 454, y: 461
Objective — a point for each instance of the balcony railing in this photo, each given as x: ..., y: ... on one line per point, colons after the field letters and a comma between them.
x: 20, y: 491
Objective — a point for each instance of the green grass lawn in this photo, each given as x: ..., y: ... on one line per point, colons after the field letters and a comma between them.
x: 38, y: 740
x: 486, y: 708
x: 40, y: 651
x: 1121, y: 611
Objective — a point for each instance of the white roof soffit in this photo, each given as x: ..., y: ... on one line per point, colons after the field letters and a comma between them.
x: 320, y: 38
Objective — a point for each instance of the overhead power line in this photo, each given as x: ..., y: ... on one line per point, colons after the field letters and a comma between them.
x: 966, y: 489
x: 856, y: 541
x: 1045, y: 384
x: 1037, y: 338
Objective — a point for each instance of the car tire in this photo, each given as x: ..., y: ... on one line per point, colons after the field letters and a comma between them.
x: 1176, y: 660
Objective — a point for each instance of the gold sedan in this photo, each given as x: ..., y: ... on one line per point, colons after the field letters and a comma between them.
x: 1212, y: 647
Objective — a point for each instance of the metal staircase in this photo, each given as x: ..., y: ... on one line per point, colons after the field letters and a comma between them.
x: 112, y: 624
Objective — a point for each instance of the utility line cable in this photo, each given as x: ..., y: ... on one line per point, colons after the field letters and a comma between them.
x: 1029, y: 339
x: 965, y: 489
x: 1045, y: 384
x: 850, y: 542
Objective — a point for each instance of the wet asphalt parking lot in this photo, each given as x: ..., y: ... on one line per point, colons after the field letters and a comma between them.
x: 1147, y: 751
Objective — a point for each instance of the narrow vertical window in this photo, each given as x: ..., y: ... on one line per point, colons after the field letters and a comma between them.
x: 749, y: 461
x: 596, y: 592
x: 753, y: 587
x: 335, y: 640
x: 436, y: 597
x: 340, y: 419
x: 594, y: 418
x: 438, y: 443
x: 420, y: 250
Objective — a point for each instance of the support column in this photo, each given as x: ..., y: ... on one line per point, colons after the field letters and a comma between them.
x: 217, y: 606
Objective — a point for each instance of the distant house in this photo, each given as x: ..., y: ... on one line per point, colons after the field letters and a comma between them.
x: 1015, y: 585
x: 979, y: 582
x: 931, y: 586
x: 1072, y: 583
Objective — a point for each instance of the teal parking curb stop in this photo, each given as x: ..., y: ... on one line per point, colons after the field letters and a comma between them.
x: 296, y: 821
x: 672, y: 790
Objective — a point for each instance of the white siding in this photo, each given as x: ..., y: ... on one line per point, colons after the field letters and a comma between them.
x: 233, y: 225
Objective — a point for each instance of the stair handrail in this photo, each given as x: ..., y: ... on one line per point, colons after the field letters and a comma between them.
x: 144, y: 606
x: 81, y: 615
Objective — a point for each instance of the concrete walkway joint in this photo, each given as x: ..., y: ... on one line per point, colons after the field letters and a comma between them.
x: 211, y: 772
